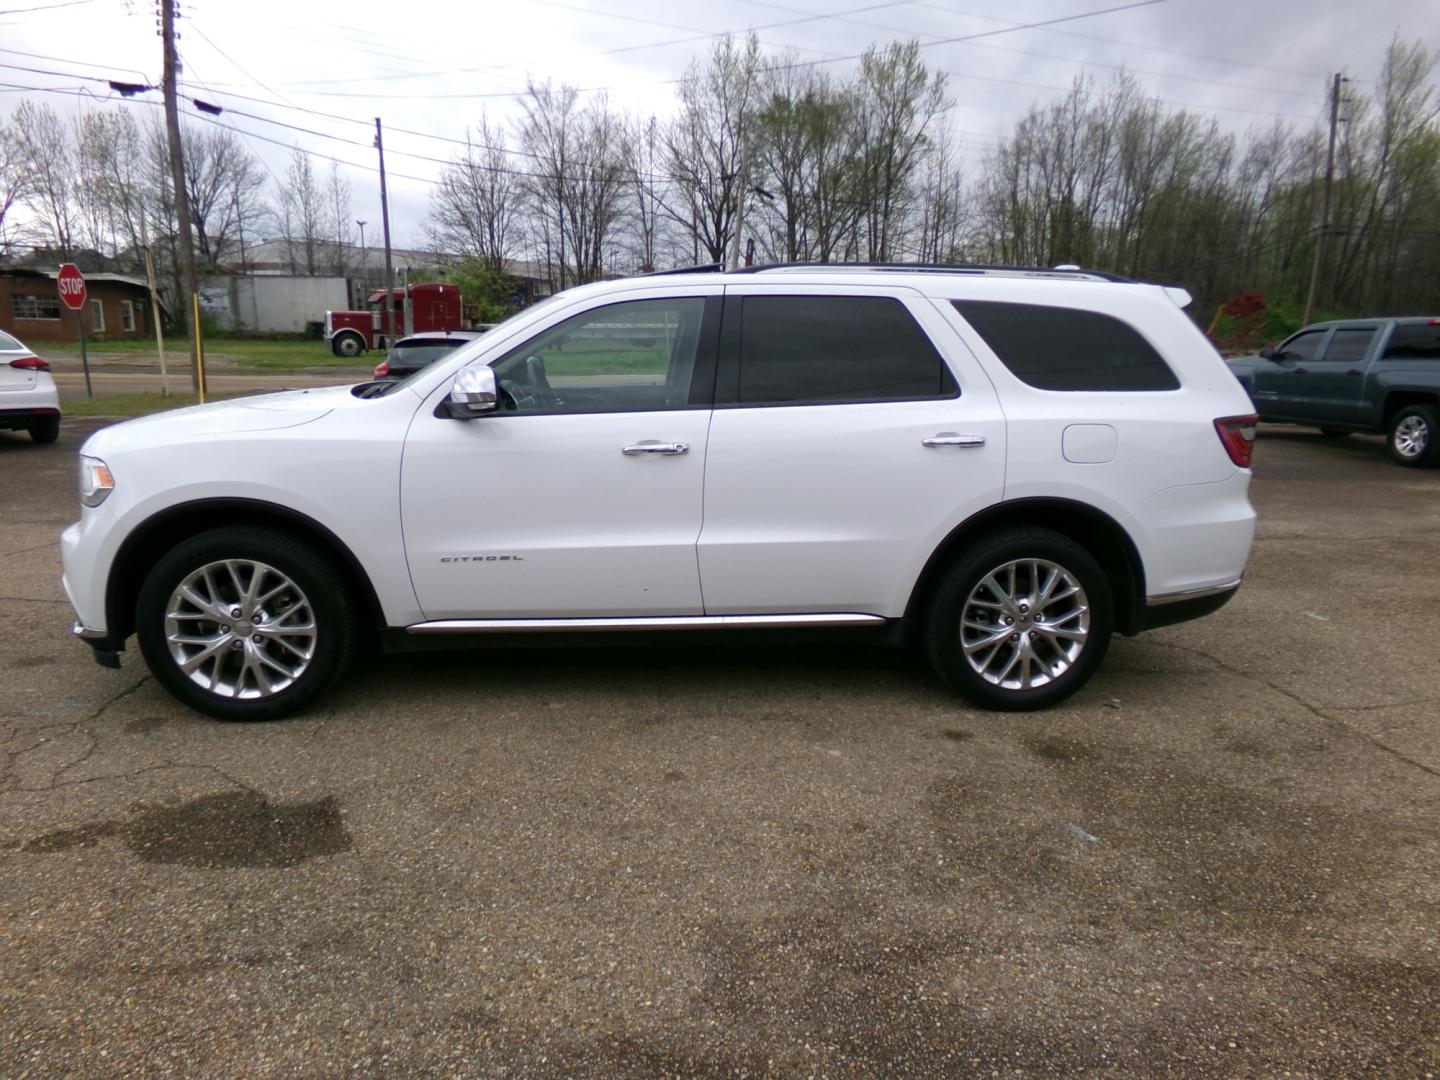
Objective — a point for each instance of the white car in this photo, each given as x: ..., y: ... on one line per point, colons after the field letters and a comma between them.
x: 28, y: 398
x: 1005, y: 466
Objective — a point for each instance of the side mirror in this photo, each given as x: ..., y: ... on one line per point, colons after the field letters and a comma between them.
x: 472, y: 394
x: 1267, y: 352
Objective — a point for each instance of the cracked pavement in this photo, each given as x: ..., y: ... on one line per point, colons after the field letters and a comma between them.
x: 1222, y: 858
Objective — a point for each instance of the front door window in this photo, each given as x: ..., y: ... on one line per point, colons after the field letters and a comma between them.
x: 631, y: 357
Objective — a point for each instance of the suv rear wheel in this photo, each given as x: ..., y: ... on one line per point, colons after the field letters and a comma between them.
x: 245, y: 623
x: 1021, y: 620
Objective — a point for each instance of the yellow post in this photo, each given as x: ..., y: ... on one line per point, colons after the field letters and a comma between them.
x: 199, y: 347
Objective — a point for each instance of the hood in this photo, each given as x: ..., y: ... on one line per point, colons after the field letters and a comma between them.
x: 263, y: 412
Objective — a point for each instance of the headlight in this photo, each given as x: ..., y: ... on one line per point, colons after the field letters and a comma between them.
x: 96, y: 483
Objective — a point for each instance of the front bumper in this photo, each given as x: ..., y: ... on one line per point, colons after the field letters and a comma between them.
x: 107, y: 651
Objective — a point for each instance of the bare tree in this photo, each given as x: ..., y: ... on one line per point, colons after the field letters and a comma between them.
x: 339, y: 223
x: 578, y: 177
x: 45, y: 153
x: 14, y: 187
x: 705, y: 142
x: 303, y: 214
x: 226, y: 184
x: 901, y: 102
x: 645, y: 159
x: 475, y: 209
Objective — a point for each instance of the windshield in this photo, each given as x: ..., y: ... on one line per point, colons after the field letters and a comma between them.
x: 9, y: 344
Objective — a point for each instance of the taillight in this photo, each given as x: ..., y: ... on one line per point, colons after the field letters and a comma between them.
x: 31, y: 363
x: 382, y: 369
x: 1238, y: 435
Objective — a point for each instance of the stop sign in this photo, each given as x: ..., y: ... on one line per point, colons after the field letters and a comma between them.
x: 72, y: 286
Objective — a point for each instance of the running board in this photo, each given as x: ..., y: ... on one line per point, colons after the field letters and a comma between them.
x: 667, y: 622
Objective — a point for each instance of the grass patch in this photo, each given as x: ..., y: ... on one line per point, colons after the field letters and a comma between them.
x: 140, y: 404
x: 228, y: 353
x: 610, y: 361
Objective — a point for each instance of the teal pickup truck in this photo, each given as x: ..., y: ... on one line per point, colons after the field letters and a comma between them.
x: 1370, y: 375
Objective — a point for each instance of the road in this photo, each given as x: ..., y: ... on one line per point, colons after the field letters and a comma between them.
x: 1220, y: 859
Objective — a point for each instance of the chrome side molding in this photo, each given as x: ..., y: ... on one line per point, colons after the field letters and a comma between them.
x: 644, y: 622
x: 1192, y: 594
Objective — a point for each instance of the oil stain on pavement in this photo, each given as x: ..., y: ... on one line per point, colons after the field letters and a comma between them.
x: 233, y: 829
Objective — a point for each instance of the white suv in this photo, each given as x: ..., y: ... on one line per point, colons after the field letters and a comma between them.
x: 1005, y: 465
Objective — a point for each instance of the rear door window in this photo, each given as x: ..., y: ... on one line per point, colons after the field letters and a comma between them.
x: 1350, y: 344
x: 829, y: 349
x: 1414, y: 341
x: 1058, y: 348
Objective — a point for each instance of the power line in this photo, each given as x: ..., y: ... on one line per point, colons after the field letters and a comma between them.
x: 46, y: 7
x: 236, y: 65
x: 1128, y: 44
x: 74, y: 63
x: 1042, y: 56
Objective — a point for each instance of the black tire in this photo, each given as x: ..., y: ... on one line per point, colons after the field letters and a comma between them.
x: 1334, y: 433
x: 45, y: 430
x: 315, y: 582
x: 348, y: 345
x: 962, y: 582
x: 1414, y: 436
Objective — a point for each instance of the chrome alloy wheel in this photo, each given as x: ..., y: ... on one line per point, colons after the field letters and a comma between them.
x: 240, y: 629
x: 1411, y: 437
x: 1024, y: 624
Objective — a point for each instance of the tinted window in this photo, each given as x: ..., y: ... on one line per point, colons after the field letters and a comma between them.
x: 1414, y: 341
x: 1350, y: 343
x: 631, y: 357
x: 1055, y: 348
x: 1304, y: 346
x: 835, y: 348
x: 8, y: 343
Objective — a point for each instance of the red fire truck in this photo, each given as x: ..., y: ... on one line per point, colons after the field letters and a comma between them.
x: 414, y: 309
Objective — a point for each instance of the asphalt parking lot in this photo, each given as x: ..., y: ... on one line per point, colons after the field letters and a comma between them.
x: 1221, y: 858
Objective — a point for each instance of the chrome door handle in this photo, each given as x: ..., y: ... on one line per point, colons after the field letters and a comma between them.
x: 669, y: 449
x: 949, y: 438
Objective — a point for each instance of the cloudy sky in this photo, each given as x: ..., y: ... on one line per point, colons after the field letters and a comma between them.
x: 432, y: 68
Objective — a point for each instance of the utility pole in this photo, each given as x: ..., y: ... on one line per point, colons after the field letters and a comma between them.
x: 154, y: 307
x: 188, y: 281
x: 364, y: 259
x: 385, y: 223
x: 1325, y: 204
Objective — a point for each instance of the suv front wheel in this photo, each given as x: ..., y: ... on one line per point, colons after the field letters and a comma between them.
x: 1020, y: 620
x: 244, y: 623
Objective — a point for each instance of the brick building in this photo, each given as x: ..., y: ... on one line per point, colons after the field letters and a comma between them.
x: 30, y: 307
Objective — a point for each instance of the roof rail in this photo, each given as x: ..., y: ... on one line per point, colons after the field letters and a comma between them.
x: 1065, y: 271
x: 702, y: 268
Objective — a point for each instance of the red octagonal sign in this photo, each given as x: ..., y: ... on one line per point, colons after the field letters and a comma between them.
x: 72, y: 286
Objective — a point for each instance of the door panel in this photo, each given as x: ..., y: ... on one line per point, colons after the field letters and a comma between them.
x: 1283, y: 387
x: 588, y: 530
x: 1336, y: 379
x: 582, y: 496
x: 836, y: 507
